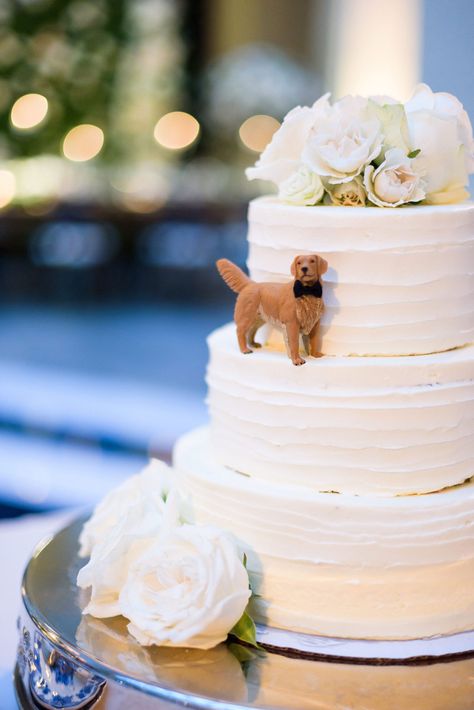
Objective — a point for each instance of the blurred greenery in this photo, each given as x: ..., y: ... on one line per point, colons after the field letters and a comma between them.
x: 67, y: 50
x: 112, y: 63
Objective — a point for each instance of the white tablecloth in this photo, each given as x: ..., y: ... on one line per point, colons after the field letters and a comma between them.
x: 18, y: 538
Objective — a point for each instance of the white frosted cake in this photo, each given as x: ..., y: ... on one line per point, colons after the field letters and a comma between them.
x: 347, y: 481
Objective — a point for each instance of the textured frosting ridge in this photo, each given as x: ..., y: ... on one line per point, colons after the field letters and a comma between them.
x: 399, y: 567
x: 399, y: 281
x: 365, y: 426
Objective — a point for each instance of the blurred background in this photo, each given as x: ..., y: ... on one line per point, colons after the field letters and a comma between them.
x: 125, y: 128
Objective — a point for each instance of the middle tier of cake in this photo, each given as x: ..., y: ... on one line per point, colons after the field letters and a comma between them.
x: 360, y: 425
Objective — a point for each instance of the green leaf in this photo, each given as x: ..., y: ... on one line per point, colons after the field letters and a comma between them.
x: 242, y: 653
x: 414, y: 153
x: 244, y: 558
x: 245, y: 630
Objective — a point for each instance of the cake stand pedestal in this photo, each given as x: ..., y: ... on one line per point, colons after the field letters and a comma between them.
x: 66, y: 660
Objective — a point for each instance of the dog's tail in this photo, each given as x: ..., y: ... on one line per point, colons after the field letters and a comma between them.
x: 232, y: 275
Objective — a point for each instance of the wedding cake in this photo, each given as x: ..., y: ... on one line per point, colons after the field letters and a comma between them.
x: 347, y: 482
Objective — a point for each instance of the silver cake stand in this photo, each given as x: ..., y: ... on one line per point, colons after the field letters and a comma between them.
x: 66, y: 660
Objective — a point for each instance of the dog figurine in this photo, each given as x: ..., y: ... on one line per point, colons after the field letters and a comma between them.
x: 294, y: 307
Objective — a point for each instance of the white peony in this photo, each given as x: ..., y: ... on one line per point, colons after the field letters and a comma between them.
x: 282, y: 156
x: 152, y: 483
x: 344, y: 138
x: 347, y: 194
x: 440, y: 127
x: 128, y: 520
x: 187, y: 589
x: 303, y: 187
x: 395, y: 182
x: 335, y: 141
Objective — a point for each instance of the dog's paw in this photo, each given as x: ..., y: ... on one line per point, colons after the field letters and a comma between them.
x: 298, y: 361
x: 256, y: 345
x: 246, y: 352
x: 317, y: 354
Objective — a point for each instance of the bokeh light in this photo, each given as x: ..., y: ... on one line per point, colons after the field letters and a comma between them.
x: 83, y: 142
x: 29, y: 111
x: 176, y: 130
x: 257, y: 131
x: 7, y: 187
x: 141, y: 205
x: 141, y: 189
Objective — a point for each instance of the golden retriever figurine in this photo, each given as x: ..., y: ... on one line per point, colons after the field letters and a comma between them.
x: 294, y: 307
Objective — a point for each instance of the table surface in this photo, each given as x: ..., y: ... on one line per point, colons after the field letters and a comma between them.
x: 18, y: 538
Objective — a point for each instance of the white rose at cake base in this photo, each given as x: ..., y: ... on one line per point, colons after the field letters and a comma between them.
x: 188, y: 589
x: 178, y: 584
x: 124, y: 524
x: 149, y: 488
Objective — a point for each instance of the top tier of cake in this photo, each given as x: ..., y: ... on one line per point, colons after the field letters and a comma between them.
x: 400, y: 281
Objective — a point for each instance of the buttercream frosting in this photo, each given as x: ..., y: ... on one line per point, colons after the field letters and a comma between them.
x: 367, y: 426
x: 400, y: 282
x: 341, y: 565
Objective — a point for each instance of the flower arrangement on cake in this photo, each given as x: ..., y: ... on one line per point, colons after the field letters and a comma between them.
x: 371, y: 151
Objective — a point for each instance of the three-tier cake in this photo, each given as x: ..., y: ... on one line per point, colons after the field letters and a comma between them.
x: 348, y: 481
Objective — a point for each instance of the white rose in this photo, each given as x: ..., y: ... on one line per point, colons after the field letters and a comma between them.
x: 347, y: 194
x: 395, y: 182
x: 282, y: 156
x: 440, y: 128
x: 393, y: 122
x: 303, y: 187
x: 124, y: 525
x: 344, y: 138
x: 153, y: 482
x: 188, y: 589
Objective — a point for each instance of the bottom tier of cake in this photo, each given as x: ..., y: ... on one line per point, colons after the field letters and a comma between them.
x: 341, y: 565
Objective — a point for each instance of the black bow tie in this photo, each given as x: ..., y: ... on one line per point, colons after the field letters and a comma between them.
x: 300, y: 289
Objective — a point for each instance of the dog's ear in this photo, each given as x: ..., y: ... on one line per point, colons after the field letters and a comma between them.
x: 322, y: 265
x: 293, y: 265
